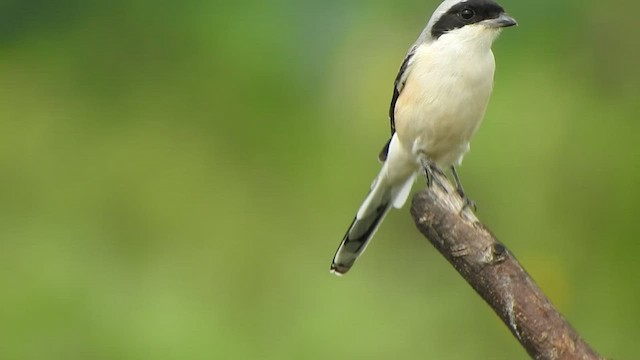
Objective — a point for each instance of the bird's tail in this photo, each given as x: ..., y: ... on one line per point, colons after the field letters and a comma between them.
x: 380, y: 199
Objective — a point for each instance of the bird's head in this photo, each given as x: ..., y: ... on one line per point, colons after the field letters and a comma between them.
x: 468, y: 19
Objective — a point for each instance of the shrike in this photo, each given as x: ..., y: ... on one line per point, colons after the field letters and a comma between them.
x: 439, y: 99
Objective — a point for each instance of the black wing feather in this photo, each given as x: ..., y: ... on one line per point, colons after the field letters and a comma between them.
x: 397, y: 88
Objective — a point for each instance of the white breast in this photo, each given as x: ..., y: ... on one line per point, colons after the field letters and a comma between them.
x: 445, y: 96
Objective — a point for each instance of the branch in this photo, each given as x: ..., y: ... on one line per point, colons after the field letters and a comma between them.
x: 495, y: 274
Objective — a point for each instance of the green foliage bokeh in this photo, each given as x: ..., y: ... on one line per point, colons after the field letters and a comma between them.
x: 175, y: 177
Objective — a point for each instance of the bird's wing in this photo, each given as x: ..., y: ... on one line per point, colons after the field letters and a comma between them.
x: 401, y: 78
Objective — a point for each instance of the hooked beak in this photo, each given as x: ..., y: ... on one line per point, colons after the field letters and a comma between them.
x: 501, y: 21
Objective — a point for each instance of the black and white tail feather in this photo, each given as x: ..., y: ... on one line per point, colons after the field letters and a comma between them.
x: 385, y: 193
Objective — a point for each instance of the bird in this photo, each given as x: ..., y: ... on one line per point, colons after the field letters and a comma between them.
x: 439, y: 99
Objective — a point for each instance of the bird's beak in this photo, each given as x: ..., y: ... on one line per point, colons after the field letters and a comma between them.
x: 501, y: 21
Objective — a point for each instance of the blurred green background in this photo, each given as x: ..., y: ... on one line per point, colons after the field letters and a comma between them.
x: 175, y: 178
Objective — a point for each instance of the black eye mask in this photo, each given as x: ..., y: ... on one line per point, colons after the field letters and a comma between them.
x: 465, y: 13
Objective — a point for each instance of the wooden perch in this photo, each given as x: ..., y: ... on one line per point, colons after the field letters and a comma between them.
x: 490, y: 268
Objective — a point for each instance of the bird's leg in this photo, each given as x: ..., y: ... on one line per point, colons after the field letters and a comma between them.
x: 430, y: 169
x: 466, y: 201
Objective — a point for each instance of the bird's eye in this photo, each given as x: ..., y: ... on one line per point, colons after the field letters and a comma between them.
x: 467, y: 14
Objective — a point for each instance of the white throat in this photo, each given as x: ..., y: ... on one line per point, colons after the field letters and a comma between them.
x: 475, y: 38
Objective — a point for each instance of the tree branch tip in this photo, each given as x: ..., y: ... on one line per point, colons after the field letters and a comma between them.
x: 496, y: 275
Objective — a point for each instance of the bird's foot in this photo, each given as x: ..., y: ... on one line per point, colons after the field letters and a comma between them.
x: 430, y: 171
x: 466, y: 202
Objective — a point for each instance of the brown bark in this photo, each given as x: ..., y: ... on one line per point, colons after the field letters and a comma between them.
x: 496, y: 275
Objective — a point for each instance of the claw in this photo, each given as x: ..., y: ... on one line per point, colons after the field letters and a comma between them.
x: 467, y: 203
